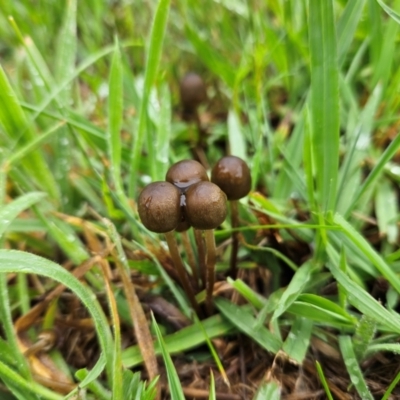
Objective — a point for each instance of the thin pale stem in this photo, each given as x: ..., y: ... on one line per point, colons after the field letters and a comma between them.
x: 201, y: 255
x: 235, y: 238
x: 183, y: 277
x: 210, y: 270
x: 190, y: 255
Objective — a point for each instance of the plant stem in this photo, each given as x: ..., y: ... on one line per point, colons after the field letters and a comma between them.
x: 210, y: 270
x: 235, y: 238
x: 201, y: 255
x: 177, y: 260
x: 190, y: 255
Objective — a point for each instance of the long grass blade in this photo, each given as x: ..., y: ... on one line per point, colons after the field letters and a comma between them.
x: 115, y: 109
x: 324, y: 100
x: 152, y: 63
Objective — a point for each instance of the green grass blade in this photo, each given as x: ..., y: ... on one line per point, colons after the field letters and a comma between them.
x: 33, y: 145
x: 391, y: 387
x: 66, y: 49
x: 347, y: 26
x: 210, y: 57
x: 298, y: 339
x: 323, y: 380
x: 350, y: 360
x: 11, y: 210
x: 324, y: 100
x: 392, y: 13
x: 8, y: 328
x: 246, y: 323
x: 295, y: 288
x: 212, y: 387
x: 23, y: 388
x: 16, y: 126
x: 115, y: 110
x: 368, y: 251
x: 377, y: 171
x: 152, y: 63
x: 386, y: 210
x: 175, y: 387
x: 185, y: 339
x: 164, y: 131
x: 237, y: 144
x: 383, y: 69
x: 270, y: 391
x: 363, y: 335
x: 361, y: 299
x: 13, y: 261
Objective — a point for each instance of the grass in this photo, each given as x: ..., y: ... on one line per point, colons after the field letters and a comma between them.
x: 306, y: 92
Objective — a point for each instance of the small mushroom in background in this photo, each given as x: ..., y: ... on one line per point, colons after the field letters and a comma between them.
x: 159, y: 209
x: 193, y: 92
x: 205, y: 210
x: 233, y: 176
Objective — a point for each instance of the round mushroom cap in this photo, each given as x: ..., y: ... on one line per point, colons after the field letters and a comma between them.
x: 232, y: 175
x: 192, y: 91
x: 159, y: 207
x: 205, y: 205
x: 186, y: 173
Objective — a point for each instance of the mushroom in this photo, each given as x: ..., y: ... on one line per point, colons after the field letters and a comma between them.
x: 232, y: 175
x: 183, y: 174
x: 206, y: 210
x: 159, y: 209
x: 193, y: 92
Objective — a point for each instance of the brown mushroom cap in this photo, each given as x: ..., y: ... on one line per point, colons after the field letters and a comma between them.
x: 186, y: 173
x: 232, y: 175
x: 205, y: 205
x: 159, y: 207
x: 192, y: 91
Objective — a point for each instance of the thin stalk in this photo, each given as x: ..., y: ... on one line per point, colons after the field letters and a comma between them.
x: 190, y: 255
x: 201, y: 255
x: 176, y: 258
x: 210, y: 270
x: 235, y: 238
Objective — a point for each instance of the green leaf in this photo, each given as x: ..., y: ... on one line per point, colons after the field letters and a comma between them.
x: 152, y: 64
x: 270, y: 391
x: 298, y: 339
x: 368, y: 251
x: 347, y: 26
x: 185, y: 339
x: 354, y: 370
x: 237, y: 143
x: 363, y: 335
x: 295, y: 288
x: 175, y: 387
x: 324, y: 100
x: 13, y: 261
x: 11, y: 210
x: 323, y: 380
x: 246, y: 323
x: 16, y: 126
x: 362, y: 300
x: 115, y: 110
x: 392, y: 13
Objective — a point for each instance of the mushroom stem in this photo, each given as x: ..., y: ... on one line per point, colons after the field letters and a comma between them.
x: 190, y: 256
x: 210, y: 270
x: 201, y: 255
x: 177, y: 260
x: 235, y: 238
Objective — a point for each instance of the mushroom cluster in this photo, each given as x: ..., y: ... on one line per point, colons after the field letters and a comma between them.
x: 187, y: 199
